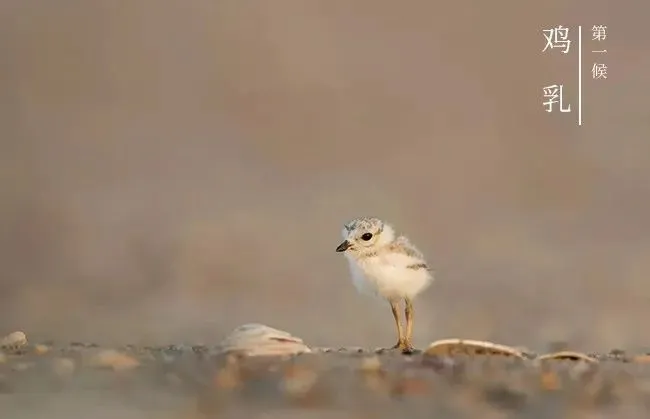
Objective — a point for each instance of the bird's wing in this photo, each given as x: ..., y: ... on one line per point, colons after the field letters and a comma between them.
x: 403, y: 246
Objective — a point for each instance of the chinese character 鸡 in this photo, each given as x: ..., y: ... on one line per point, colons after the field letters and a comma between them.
x: 557, y: 38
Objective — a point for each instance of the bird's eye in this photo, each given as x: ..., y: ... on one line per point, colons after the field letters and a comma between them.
x: 366, y: 236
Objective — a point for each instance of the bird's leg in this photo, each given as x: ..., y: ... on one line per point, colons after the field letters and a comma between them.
x: 408, y: 313
x: 394, y: 305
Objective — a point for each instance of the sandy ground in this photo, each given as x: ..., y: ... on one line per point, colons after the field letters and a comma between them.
x: 83, y: 380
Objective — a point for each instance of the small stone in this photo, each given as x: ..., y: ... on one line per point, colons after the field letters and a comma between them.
x: 348, y: 349
x: 13, y: 340
x: 321, y: 350
x: 110, y: 358
x: 41, y: 349
x: 352, y: 349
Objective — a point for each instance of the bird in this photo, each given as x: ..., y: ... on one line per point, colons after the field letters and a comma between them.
x: 386, y: 265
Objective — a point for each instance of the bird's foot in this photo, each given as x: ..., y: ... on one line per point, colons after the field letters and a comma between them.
x: 407, y: 348
x: 403, y: 346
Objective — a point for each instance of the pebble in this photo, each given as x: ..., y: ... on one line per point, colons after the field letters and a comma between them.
x: 41, y: 349
x: 110, y: 358
x: 352, y: 349
x: 322, y: 350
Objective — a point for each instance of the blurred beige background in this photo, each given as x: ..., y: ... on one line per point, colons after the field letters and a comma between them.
x: 170, y: 170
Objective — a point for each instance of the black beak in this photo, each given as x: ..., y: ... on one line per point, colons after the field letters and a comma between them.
x: 343, y: 246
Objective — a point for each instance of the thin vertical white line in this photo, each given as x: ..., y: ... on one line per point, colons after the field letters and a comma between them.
x: 579, y: 75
